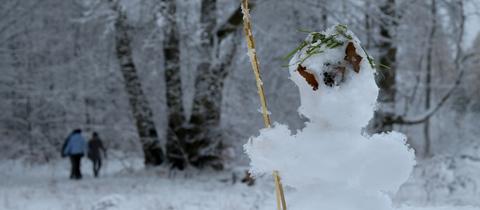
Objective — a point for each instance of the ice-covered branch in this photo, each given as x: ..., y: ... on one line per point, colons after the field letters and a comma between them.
x: 429, y: 113
x: 460, y: 58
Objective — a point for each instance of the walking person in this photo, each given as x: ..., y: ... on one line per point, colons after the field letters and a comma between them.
x: 74, y: 147
x: 95, y: 148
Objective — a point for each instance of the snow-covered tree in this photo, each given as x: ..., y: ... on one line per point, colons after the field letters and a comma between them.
x: 140, y: 107
x: 198, y: 141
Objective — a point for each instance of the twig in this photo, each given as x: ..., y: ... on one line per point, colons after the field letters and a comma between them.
x: 254, y: 61
x: 281, y: 204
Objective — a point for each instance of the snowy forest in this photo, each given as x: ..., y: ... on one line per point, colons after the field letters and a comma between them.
x: 166, y: 88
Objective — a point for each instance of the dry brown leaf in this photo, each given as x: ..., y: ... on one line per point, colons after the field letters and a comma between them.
x: 309, y: 77
x: 352, y: 57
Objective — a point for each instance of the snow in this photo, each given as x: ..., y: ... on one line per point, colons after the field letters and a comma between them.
x: 330, y: 164
x: 124, y: 186
x: 442, y: 180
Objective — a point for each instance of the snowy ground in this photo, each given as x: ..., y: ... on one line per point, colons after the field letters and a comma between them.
x: 48, y: 188
x: 443, y: 181
x: 122, y: 187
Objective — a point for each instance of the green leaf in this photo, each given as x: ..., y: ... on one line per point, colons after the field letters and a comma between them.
x: 300, y: 47
x: 326, y: 41
x: 317, y: 36
x: 342, y: 29
x: 304, y: 31
x: 371, y: 61
x: 384, y: 66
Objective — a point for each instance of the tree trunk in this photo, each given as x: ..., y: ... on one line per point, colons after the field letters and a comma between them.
x: 385, y: 78
x: 324, y: 6
x: 176, y: 113
x: 205, y: 135
x: 368, y: 30
x: 198, y: 141
x: 428, y: 80
x: 141, y: 110
x: 206, y: 105
x: 204, y: 138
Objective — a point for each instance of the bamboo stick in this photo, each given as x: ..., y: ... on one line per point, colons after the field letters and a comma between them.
x: 279, y: 191
x: 247, y: 27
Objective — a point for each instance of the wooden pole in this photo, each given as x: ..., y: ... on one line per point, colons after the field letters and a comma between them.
x: 247, y: 27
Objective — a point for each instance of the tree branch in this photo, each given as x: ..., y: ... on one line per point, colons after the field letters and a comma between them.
x: 460, y: 58
x: 232, y: 23
x: 429, y: 113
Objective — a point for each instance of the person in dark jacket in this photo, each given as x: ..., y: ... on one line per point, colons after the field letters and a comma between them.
x: 95, y: 148
x: 74, y: 147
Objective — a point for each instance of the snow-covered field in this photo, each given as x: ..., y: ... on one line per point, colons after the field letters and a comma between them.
x: 47, y: 187
x: 443, y: 181
x: 439, y: 182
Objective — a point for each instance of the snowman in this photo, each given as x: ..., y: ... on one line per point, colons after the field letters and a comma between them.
x: 331, y: 164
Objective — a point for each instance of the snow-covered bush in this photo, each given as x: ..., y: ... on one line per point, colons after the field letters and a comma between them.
x: 442, y: 180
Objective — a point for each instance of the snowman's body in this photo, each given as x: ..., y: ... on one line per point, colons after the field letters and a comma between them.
x: 330, y: 164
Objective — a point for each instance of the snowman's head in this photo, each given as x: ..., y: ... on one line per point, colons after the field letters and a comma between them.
x: 335, y: 78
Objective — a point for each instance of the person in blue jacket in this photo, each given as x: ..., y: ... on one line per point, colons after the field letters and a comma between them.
x: 75, y: 147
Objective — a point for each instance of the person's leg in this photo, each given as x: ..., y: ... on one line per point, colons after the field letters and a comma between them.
x: 99, y: 165
x: 95, y: 167
x: 77, y: 174
x: 79, y: 166
x: 72, y: 167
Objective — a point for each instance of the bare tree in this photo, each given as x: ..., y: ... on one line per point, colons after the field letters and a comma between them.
x: 458, y: 64
x: 141, y: 110
x: 176, y: 112
x: 428, y: 78
x: 385, y: 78
x: 199, y: 142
